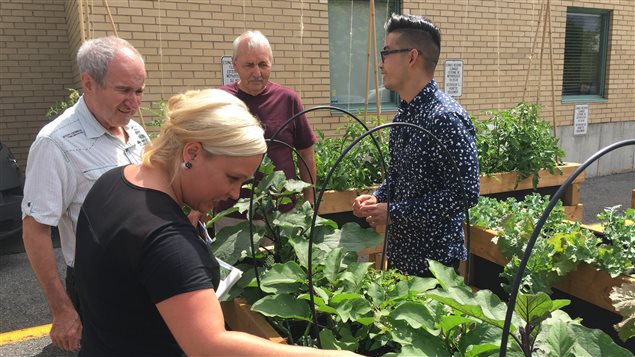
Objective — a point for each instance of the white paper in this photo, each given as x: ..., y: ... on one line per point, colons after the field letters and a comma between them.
x: 229, y: 275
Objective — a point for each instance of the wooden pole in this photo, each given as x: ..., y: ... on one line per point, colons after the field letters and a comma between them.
x: 368, y: 51
x: 377, y: 94
x: 112, y: 22
x: 553, y: 84
x: 531, y: 54
x: 81, y: 20
x: 542, y: 47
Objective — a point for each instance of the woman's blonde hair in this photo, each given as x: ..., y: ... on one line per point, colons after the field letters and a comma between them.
x: 218, y: 120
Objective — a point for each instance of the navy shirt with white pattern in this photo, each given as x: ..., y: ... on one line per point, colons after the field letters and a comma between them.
x: 426, y: 203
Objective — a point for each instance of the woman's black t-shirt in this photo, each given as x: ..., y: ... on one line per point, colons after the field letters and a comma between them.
x: 135, y: 248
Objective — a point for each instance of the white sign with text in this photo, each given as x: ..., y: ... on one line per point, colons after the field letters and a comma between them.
x: 228, y: 73
x: 453, y: 77
x: 580, y: 119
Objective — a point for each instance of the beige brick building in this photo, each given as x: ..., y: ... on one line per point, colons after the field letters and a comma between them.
x: 314, y: 52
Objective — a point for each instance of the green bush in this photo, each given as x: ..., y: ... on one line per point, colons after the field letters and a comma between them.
x: 360, y: 168
x: 517, y: 140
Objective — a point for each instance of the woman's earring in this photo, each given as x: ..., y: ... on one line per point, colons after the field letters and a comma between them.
x: 187, y: 165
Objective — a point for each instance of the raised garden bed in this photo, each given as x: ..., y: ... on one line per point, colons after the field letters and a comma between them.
x: 376, y: 312
x: 499, y: 185
x: 491, y: 185
x: 503, y: 185
x: 587, y: 287
x: 239, y: 317
x: 586, y: 283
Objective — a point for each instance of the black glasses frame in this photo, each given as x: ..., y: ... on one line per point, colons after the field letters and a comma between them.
x: 385, y: 53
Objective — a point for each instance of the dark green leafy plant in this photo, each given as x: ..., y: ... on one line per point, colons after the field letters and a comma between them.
x: 517, y: 140
x: 360, y: 168
x: 384, y: 312
x: 561, y: 246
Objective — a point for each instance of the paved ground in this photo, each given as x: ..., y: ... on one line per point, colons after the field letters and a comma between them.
x: 596, y: 193
x: 22, y: 305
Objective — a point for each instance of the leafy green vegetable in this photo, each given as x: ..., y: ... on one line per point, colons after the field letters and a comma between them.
x: 561, y: 245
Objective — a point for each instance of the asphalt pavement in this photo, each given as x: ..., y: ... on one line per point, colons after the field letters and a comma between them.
x: 22, y: 305
x: 596, y: 193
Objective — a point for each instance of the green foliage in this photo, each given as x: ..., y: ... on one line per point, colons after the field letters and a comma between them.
x: 60, y: 106
x: 360, y: 168
x: 617, y: 254
x: 561, y: 245
x: 517, y: 140
x: 387, y: 313
x: 508, y: 140
x: 158, y: 114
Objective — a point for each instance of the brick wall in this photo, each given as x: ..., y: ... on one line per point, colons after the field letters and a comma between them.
x: 35, y: 68
x: 183, y: 42
x: 495, y: 38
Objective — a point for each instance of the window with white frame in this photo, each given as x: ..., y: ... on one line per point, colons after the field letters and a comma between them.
x: 585, y: 54
x: 348, y: 53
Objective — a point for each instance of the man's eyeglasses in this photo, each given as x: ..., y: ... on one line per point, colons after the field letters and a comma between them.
x: 385, y: 53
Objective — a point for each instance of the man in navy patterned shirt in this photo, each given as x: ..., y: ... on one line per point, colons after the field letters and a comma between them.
x: 422, y: 199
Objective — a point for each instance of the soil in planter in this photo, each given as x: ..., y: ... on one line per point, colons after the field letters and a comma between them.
x: 488, y: 277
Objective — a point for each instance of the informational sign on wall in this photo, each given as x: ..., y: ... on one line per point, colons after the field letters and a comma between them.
x: 229, y: 75
x: 453, y: 77
x: 580, y: 119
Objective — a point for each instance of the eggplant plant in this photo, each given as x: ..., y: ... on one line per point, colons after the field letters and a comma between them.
x: 376, y: 312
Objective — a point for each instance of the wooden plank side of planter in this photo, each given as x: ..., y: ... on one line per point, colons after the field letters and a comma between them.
x: 239, y: 317
x: 481, y: 244
x: 572, y: 195
x: 587, y: 282
x: 374, y: 253
x: 592, y: 285
x: 340, y: 201
x: 574, y: 213
x: 506, y: 181
x: 633, y: 199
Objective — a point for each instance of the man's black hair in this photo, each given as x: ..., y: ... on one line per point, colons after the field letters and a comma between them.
x: 417, y: 32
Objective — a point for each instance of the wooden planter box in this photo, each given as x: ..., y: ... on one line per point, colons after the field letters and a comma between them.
x: 342, y: 201
x: 505, y: 181
x: 239, y: 317
x: 586, y: 283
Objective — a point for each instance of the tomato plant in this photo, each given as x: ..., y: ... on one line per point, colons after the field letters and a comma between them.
x: 517, y: 140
